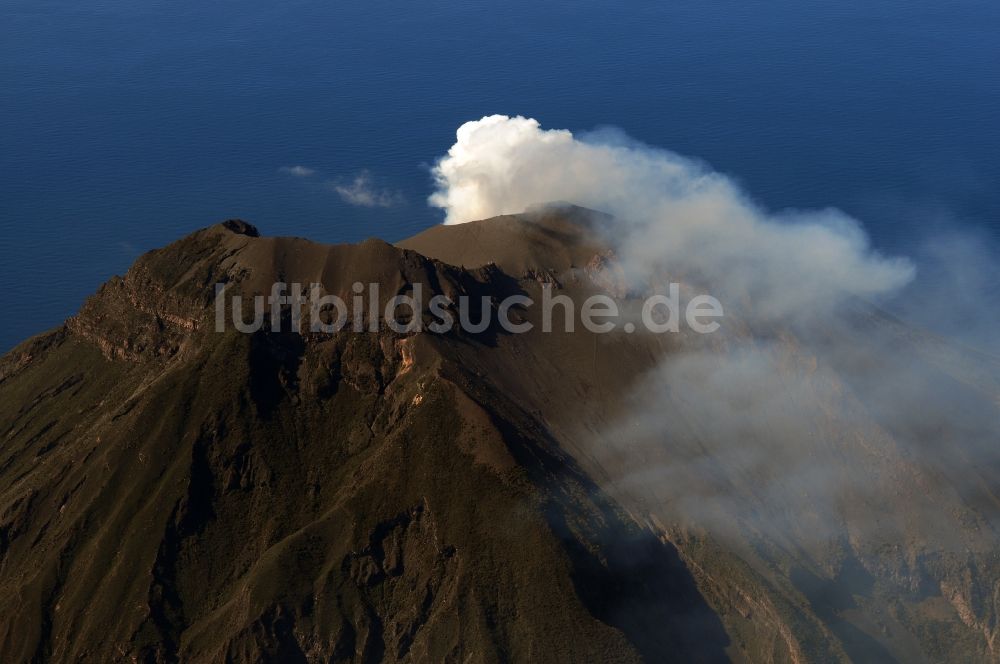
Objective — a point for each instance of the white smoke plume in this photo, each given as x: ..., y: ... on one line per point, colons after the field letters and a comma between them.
x: 838, y: 430
x: 672, y: 211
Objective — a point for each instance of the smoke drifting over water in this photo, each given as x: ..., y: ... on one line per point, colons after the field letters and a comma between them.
x: 671, y: 211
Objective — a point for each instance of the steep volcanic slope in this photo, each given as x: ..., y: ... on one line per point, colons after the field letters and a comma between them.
x: 172, y: 493
x: 169, y: 493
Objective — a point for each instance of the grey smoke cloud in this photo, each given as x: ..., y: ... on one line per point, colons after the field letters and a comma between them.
x: 816, y: 423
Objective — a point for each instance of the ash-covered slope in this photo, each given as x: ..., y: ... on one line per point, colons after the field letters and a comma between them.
x: 170, y: 493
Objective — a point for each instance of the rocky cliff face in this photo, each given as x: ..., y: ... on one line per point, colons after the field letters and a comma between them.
x: 173, y: 493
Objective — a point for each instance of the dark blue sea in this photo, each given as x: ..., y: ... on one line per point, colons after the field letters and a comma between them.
x: 124, y: 125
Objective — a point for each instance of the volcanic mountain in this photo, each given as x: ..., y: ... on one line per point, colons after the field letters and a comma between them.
x: 170, y: 492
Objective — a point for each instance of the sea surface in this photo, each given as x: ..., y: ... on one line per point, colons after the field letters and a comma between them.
x: 124, y: 125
